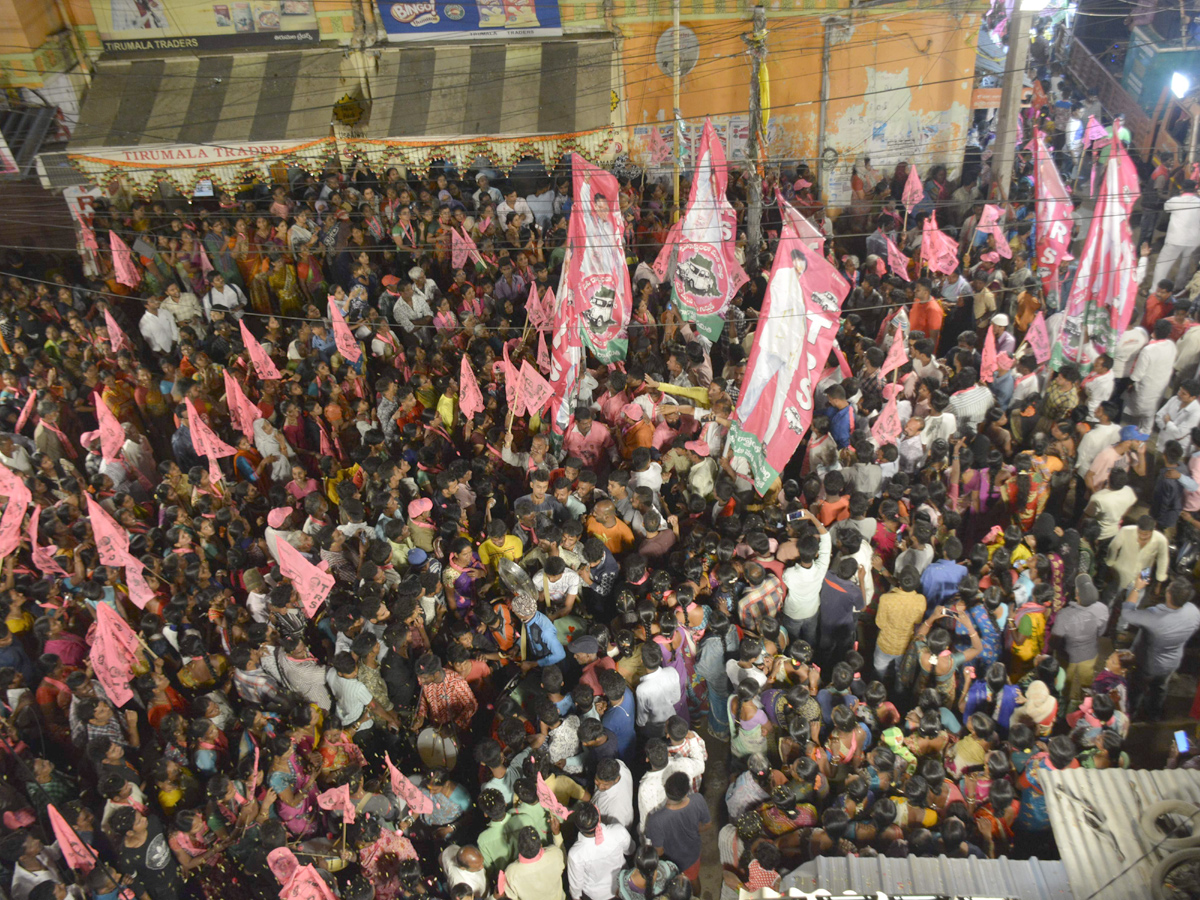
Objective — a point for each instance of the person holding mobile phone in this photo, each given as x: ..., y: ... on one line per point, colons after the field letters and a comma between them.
x: 1163, y: 630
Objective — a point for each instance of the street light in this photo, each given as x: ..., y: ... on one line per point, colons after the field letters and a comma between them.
x: 1180, y: 85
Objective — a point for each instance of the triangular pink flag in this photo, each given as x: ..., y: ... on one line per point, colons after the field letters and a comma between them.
x: 549, y: 309
x: 512, y: 384
x: 897, y: 261
x: 535, y: 390
x: 938, y: 250
x: 987, y: 366
x: 887, y: 427
x: 140, y: 592
x: 243, y: 413
x: 989, y: 224
x: 1038, y: 338
x: 26, y: 411
x: 418, y: 802
x: 117, y: 338
x: 914, y: 191
x: 534, y: 308
x: 123, y: 266
x: 112, y: 434
x: 1094, y: 131
x: 343, y: 336
x: 76, y: 854
x: 263, y: 364
x: 470, y: 398
x: 462, y: 248
x: 548, y: 801
x: 10, y: 524
x: 112, y: 542
x: 311, y: 583
x: 204, y: 439
x: 43, y: 557
x: 214, y: 471
x: 543, y: 353
x: 112, y: 656
x: 306, y: 884
x: 897, y: 356
x: 338, y: 800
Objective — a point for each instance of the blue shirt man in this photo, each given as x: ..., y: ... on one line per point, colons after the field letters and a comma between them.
x: 940, y: 580
x: 619, y: 720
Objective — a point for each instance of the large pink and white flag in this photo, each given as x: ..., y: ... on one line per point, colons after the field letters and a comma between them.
x: 566, y: 359
x: 263, y: 364
x: 698, y: 258
x: 796, y: 331
x: 596, y: 273
x: 1103, y: 296
x: 1052, y: 215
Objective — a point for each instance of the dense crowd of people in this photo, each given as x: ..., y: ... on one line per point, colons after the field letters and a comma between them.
x: 882, y: 655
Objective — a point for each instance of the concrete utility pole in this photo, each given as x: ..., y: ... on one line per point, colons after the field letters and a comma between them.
x: 1012, y: 88
x: 757, y: 42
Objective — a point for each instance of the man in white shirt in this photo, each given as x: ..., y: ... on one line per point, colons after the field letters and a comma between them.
x: 1128, y: 348
x: 1098, y: 385
x: 158, y: 327
x: 652, y: 793
x: 1179, y: 415
x: 184, y: 307
x: 1104, y: 434
x: 409, y: 311
x: 613, y: 795
x: 464, y: 865
x: 594, y: 863
x: 226, y: 297
x: 513, y: 203
x: 1183, y: 236
x: 1151, y: 376
x: 803, y: 580
x: 657, y: 692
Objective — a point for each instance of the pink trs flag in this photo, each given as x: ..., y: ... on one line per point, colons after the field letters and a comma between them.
x: 123, y: 266
x: 116, y: 337
x: 43, y: 557
x: 75, y: 852
x: 535, y: 390
x: 897, y: 261
x: 342, y: 336
x: 112, y: 434
x: 338, y: 800
x: 418, y: 803
x: 241, y: 410
x: 897, y: 355
x: 887, y: 427
x: 987, y: 366
x: 112, y: 543
x: 470, y: 399
x: 914, y: 191
x: 1038, y: 338
x: 306, y: 884
x: 114, y: 654
x: 549, y: 801
x: 312, y: 583
x: 263, y: 364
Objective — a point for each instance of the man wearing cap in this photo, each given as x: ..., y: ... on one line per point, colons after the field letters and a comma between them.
x: 539, y: 637
x: 1076, y: 633
x: 421, y: 527
x: 586, y: 650
x: 1004, y: 381
x: 1005, y: 342
x: 702, y: 475
x: 1128, y: 453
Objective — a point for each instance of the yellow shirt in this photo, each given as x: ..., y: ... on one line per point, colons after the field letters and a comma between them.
x: 447, y: 407
x: 512, y: 547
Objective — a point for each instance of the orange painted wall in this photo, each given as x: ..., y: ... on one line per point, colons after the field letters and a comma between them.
x: 27, y: 23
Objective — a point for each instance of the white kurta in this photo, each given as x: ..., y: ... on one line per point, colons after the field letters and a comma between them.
x: 1151, y: 378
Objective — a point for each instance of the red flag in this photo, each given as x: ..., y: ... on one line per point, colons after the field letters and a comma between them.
x: 543, y: 353
x: 26, y: 411
x: 535, y: 390
x: 596, y: 272
x: 43, y: 557
x: 987, y: 367
x: 1104, y: 293
x: 243, y: 413
x: 699, y: 255
x: 989, y: 224
x: 795, y: 334
x: 897, y: 261
x: 263, y: 364
x: 114, y: 654
x: 117, y: 338
x: 887, y: 427
x: 897, y: 355
x: 112, y: 543
x: 123, y: 266
x: 548, y: 801
x: 417, y: 801
x: 342, y: 336
x: 312, y: 583
x: 338, y: 800
x: 914, y: 191
x: 470, y: 398
x: 1053, y: 221
x: 75, y: 852
x: 1038, y: 338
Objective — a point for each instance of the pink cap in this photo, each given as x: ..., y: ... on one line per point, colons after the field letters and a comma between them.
x: 419, y: 507
x: 991, y: 257
x: 801, y: 184
x: 700, y: 448
x: 278, y: 516
x: 633, y: 411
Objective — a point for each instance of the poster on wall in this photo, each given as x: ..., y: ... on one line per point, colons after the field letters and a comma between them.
x: 453, y: 20
x: 154, y: 26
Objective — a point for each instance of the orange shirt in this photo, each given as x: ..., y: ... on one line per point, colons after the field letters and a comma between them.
x: 618, y: 538
x: 926, y: 316
x: 640, y: 434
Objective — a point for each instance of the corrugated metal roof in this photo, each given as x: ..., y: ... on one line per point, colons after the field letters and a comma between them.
x: 1031, y: 879
x: 1090, y: 857
x: 56, y: 173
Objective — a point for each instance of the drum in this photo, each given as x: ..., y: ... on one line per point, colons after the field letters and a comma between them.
x: 437, y: 750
